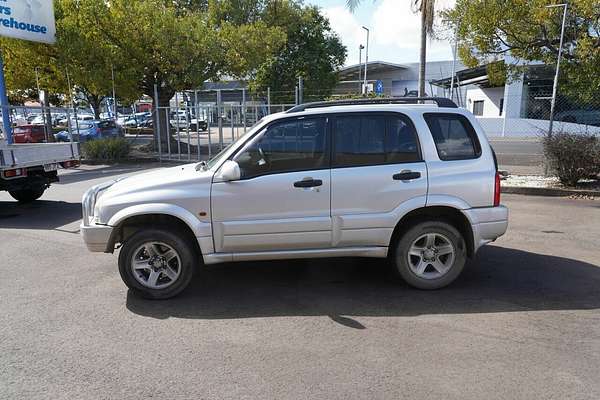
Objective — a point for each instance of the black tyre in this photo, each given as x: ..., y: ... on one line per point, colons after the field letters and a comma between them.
x: 27, y: 195
x: 157, y: 264
x: 430, y: 255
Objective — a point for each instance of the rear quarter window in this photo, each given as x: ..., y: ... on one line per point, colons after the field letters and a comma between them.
x: 454, y: 136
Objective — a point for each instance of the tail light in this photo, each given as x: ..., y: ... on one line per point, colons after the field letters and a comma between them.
x: 70, y: 164
x: 15, y: 173
x: 497, y: 189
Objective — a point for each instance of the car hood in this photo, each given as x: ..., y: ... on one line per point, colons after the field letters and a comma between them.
x: 181, y: 186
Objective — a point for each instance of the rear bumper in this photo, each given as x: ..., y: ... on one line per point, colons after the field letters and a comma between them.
x: 96, y: 237
x: 488, y: 224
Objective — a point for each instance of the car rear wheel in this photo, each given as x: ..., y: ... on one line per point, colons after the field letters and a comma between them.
x: 430, y: 255
x: 157, y: 264
x: 27, y: 195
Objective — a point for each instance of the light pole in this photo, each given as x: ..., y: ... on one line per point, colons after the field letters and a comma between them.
x: 364, y: 91
x: 360, y: 48
x: 555, y: 85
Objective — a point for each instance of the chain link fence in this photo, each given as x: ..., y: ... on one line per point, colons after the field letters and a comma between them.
x: 527, y: 114
x: 198, y: 124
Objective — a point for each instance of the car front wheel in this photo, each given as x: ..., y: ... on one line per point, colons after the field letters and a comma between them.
x: 430, y: 255
x: 157, y: 264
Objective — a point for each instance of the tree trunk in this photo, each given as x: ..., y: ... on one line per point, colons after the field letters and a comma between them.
x: 161, y: 119
x: 423, y: 53
x: 94, y: 102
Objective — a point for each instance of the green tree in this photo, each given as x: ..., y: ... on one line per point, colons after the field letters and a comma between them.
x: 312, y: 51
x: 427, y: 10
x: 177, y: 46
x: 76, y: 52
x: 528, y: 31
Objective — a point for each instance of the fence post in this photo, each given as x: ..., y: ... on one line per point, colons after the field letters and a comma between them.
x: 69, y: 126
x: 157, y: 123
x: 177, y: 126
x: 244, y: 108
x: 232, y: 118
x: 197, y: 112
x: 220, y: 119
x: 167, y: 111
x: 208, y: 119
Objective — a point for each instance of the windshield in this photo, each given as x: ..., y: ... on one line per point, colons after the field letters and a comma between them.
x: 219, y: 156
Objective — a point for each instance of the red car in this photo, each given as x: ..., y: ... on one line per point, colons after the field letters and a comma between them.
x: 29, y: 134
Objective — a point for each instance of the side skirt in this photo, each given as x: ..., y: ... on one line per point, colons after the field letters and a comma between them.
x: 375, y: 251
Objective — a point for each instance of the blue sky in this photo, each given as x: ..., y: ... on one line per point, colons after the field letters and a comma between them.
x: 395, y: 30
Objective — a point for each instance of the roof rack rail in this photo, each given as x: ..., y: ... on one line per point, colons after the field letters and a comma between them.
x: 440, y: 101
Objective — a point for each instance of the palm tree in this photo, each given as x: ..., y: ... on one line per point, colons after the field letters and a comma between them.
x: 427, y: 10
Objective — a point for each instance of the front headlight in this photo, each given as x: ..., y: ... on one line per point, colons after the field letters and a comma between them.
x: 88, y: 202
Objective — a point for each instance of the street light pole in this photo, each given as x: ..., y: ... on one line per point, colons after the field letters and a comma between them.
x: 360, y: 48
x: 364, y: 91
x: 555, y: 85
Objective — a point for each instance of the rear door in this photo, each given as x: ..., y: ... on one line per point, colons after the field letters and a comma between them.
x: 377, y: 175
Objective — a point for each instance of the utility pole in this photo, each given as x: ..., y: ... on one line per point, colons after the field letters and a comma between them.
x: 560, y: 46
x: 360, y: 49
x: 300, y: 90
x: 364, y: 91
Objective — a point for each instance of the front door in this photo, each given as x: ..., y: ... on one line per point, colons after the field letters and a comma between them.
x: 282, y: 201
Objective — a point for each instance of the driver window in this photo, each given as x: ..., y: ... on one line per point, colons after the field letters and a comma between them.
x: 288, y: 146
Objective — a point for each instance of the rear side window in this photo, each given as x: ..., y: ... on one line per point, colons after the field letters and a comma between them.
x: 377, y: 139
x: 454, y: 136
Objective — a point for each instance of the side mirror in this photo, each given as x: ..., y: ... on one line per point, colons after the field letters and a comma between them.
x: 229, y: 171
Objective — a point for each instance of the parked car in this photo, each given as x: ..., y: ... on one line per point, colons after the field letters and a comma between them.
x: 417, y: 184
x: 29, y: 134
x: 136, y: 120
x: 90, y: 130
x: 183, y: 121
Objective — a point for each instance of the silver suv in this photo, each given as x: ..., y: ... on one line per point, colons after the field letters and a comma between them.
x: 416, y: 183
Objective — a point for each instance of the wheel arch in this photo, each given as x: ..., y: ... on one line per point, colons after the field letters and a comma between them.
x: 451, y: 215
x: 128, y: 221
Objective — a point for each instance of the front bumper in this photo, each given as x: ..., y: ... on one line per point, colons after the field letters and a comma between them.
x: 96, y: 237
x: 488, y: 224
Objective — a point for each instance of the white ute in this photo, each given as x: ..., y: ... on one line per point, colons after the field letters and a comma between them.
x: 417, y: 183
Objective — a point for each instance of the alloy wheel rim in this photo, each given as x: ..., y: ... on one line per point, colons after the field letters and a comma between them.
x: 156, y: 265
x: 431, y: 256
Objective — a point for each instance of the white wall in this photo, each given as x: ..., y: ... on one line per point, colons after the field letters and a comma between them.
x: 491, y: 98
x: 524, y: 127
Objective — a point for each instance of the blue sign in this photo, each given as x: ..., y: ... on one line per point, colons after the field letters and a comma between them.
x: 379, y: 87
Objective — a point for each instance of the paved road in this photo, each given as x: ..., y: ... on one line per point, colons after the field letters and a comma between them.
x: 523, y: 321
x: 514, y: 152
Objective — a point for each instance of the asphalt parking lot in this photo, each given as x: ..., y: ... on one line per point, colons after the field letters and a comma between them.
x: 522, y: 322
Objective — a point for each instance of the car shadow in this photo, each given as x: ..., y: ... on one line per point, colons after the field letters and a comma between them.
x: 40, y: 214
x: 499, y: 280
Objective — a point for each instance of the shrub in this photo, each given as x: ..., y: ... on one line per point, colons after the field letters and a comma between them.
x: 106, y: 149
x: 573, y: 156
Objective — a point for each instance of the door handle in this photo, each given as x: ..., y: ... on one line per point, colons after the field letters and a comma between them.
x: 307, y: 183
x: 406, y: 176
